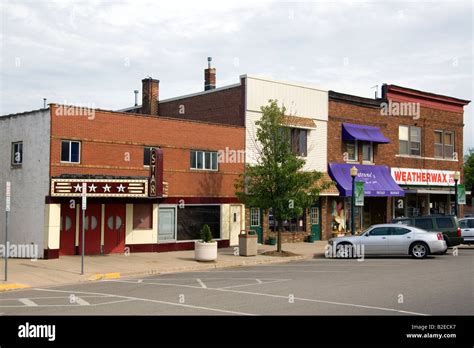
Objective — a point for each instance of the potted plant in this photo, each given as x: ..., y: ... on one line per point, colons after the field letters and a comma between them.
x: 310, y: 238
x: 206, y: 248
x: 248, y: 243
x: 272, y: 238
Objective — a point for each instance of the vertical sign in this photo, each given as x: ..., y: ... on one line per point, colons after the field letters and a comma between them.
x: 461, y: 194
x: 155, y: 181
x: 359, y: 193
x: 84, y: 196
x: 8, y: 196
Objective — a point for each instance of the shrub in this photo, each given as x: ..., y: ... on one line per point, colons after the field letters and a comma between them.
x: 206, y: 234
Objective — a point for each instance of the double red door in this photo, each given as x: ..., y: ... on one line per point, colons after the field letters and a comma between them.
x: 114, y: 229
x: 67, y: 236
x: 92, y: 223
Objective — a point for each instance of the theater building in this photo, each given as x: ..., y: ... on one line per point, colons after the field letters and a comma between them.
x: 406, y: 146
x: 151, y: 182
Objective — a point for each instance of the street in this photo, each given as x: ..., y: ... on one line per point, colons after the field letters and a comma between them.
x: 438, y: 285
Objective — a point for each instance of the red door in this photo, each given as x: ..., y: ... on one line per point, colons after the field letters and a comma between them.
x: 67, y: 236
x: 92, y: 230
x: 114, y: 231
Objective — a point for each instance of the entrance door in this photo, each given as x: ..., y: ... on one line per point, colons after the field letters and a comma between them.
x: 256, y: 223
x: 67, y: 237
x: 167, y: 224
x: 315, y: 222
x: 92, y: 230
x: 114, y: 231
x: 235, y: 226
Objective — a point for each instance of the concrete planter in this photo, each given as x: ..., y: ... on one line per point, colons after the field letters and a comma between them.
x: 205, y: 251
x: 247, y: 244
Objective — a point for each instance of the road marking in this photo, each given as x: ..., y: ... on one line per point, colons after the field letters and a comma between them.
x: 296, y: 298
x: 258, y: 281
x: 27, y: 302
x: 140, y: 281
x: 150, y: 300
x: 81, y: 302
x: 237, y: 286
x: 201, y: 283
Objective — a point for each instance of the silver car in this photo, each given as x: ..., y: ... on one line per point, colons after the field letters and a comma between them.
x: 389, y: 239
x: 467, y: 229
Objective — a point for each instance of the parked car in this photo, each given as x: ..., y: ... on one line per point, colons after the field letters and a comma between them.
x: 467, y: 229
x: 446, y: 224
x: 390, y: 239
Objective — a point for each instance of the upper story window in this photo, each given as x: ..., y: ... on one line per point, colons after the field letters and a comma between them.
x: 146, y: 155
x: 351, y: 150
x: 299, y: 143
x: 204, y: 160
x: 367, y: 152
x: 17, y: 153
x: 444, y: 144
x: 409, y: 138
x: 70, y: 151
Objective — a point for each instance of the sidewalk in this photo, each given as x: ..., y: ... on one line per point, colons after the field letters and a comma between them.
x: 66, y: 270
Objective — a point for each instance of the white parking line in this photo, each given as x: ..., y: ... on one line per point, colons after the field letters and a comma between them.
x: 151, y: 301
x: 201, y: 283
x: 81, y: 302
x: 27, y: 302
x: 237, y: 286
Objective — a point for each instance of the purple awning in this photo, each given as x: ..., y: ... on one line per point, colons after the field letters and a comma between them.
x: 377, y: 179
x: 365, y: 133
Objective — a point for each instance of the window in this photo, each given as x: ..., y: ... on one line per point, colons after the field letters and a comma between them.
x: 299, y: 141
x: 292, y: 225
x: 191, y: 219
x: 146, y: 155
x: 142, y: 216
x: 314, y: 215
x: 367, y: 153
x: 380, y: 231
x: 444, y: 222
x: 400, y: 231
x: 70, y: 151
x: 409, y: 138
x: 205, y: 160
x: 444, y: 144
x: 424, y: 224
x: 254, y: 217
x: 351, y: 149
x: 17, y: 153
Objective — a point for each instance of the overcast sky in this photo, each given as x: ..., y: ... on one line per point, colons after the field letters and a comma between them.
x: 95, y: 53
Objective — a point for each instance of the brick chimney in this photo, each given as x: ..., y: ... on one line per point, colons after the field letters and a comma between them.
x: 209, y: 76
x: 150, y: 96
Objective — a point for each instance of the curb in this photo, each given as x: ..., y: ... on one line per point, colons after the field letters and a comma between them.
x: 13, y: 286
x: 101, y: 276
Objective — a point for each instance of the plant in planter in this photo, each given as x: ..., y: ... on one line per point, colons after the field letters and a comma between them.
x: 272, y: 238
x: 206, y: 248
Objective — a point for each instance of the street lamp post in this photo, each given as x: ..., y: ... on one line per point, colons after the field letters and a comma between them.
x: 456, y: 179
x: 353, y: 175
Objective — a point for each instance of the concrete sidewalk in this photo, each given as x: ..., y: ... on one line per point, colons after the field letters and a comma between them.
x: 23, y: 273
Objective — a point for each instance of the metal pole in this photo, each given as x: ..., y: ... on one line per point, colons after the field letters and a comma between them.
x: 353, y: 206
x: 455, y: 198
x: 6, y: 246
x: 83, y: 241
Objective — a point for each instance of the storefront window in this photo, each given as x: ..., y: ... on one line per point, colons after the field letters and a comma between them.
x: 191, y: 219
x: 297, y: 224
x: 142, y: 216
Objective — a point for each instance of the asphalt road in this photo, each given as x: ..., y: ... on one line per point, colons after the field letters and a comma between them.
x: 439, y: 285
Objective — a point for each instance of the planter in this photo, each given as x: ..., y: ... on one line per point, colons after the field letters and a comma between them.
x: 272, y: 241
x: 310, y: 238
x: 247, y: 244
x: 205, y: 251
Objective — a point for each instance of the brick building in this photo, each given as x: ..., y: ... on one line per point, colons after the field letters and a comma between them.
x: 423, y: 150
x: 62, y: 147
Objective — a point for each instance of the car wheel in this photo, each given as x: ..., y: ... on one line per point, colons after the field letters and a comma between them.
x: 419, y: 250
x: 344, y: 251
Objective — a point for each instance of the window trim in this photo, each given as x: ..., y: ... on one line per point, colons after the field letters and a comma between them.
x: 255, y: 212
x: 203, y: 159
x: 409, y: 140
x: 70, y: 149
x: 15, y: 143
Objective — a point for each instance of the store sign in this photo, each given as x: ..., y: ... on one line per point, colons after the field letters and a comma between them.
x: 425, y: 177
x: 155, y: 186
x: 359, y: 193
x: 99, y: 187
x: 461, y: 194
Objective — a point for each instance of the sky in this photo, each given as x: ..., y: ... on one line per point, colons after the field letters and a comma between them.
x: 95, y: 53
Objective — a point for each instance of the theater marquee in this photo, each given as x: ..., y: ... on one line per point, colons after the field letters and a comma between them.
x: 100, y: 187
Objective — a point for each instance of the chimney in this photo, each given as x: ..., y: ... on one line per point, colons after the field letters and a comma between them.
x: 150, y: 94
x: 209, y: 76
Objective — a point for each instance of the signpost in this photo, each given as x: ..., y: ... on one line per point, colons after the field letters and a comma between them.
x: 83, y: 207
x: 7, y: 211
x: 359, y: 193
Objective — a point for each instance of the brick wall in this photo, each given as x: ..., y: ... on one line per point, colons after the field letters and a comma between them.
x: 113, y: 144
x: 219, y: 106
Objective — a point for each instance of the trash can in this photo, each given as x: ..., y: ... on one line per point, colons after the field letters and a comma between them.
x: 247, y: 243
